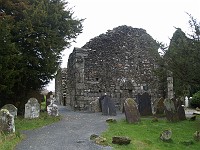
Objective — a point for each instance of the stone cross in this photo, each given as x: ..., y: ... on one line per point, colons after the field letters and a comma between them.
x: 32, y: 108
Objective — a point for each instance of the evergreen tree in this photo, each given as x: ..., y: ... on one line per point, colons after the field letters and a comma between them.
x: 183, y: 59
x: 36, y: 33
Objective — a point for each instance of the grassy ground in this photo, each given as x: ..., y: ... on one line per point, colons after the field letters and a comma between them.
x: 9, y: 141
x: 145, y: 135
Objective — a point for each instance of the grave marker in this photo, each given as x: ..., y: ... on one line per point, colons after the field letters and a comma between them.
x: 173, y: 110
x: 107, y: 105
x: 52, y: 109
x: 32, y: 109
x: 6, y: 121
x: 144, y: 104
x: 131, y: 111
x: 11, y: 108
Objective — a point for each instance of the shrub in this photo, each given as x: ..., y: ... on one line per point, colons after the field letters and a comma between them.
x: 196, y: 100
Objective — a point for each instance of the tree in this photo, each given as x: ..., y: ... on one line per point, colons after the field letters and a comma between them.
x: 36, y: 33
x: 7, y: 67
x: 183, y: 59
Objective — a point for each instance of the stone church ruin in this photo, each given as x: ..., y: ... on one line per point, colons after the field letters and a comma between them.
x: 120, y: 62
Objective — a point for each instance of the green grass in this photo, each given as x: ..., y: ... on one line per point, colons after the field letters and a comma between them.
x: 145, y: 135
x: 9, y: 141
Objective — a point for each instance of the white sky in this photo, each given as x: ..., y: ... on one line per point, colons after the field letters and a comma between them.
x: 157, y: 17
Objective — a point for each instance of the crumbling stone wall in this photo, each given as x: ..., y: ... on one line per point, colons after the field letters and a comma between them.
x: 61, y: 86
x: 119, y: 62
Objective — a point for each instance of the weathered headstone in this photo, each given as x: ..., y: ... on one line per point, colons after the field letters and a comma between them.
x: 181, y: 113
x: 32, y: 108
x: 170, y: 110
x: 174, y: 110
x: 100, y: 102
x: 186, y: 102
x: 160, y: 106
x: 95, y: 106
x: 111, y: 120
x: 11, y: 108
x: 131, y: 111
x: 196, y: 136
x: 166, y: 135
x: 108, y: 106
x: 121, y: 140
x: 50, y: 99
x: 169, y: 104
x: 6, y: 121
x: 111, y: 107
x: 104, y: 105
x: 52, y: 109
x: 144, y: 104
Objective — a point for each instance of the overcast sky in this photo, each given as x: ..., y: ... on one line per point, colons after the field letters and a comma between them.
x: 157, y: 17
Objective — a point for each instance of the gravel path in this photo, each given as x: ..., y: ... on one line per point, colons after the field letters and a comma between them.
x: 71, y: 133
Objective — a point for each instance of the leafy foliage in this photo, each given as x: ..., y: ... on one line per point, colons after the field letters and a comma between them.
x: 33, y: 35
x: 196, y: 100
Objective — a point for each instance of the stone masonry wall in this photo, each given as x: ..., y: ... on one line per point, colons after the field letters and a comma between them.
x: 60, y: 86
x: 119, y: 62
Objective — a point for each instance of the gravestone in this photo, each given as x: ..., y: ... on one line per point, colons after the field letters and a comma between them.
x: 180, y: 109
x: 7, y: 124
x: 121, y: 140
x: 196, y: 136
x: 104, y: 105
x: 32, y: 108
x: 100, y: 102
x: 186, y: 102
x: 166, y: 135
x: 52, y: 109
x: 11, y: 108
x: 111, y: 107
x: 131, y: 111
x: 160, y: 106
x: 170, y: 110
x: 174, y: 110
x: 144, y: 104
x: 108, y: 106
x: 51, y: 98
x: 95, y: 106
x: 181, y: 113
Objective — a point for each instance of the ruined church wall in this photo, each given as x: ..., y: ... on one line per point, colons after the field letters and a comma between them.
x: 61, y: 86
x: 120, y: 63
